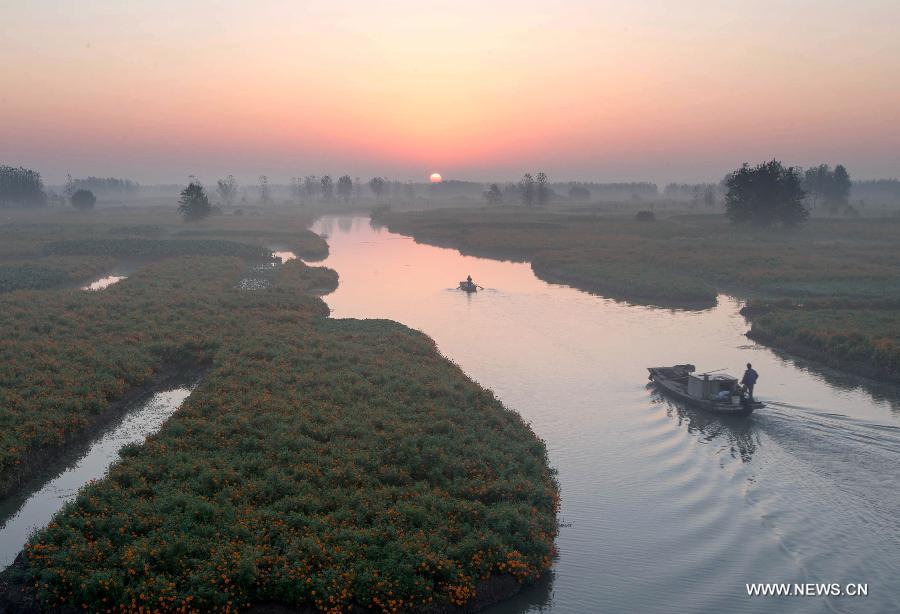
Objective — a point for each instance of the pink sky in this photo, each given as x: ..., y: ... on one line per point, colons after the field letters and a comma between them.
x: 609, y: 91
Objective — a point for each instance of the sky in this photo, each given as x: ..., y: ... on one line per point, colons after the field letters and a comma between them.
x: 157, y: 90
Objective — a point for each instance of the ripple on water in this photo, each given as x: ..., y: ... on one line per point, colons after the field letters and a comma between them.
x: 664, y: 508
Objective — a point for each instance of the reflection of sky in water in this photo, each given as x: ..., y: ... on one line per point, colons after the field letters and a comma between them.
x: 667, y: 509
x: 104, y: 282
x: 285, y: 255
x: 40, y: 507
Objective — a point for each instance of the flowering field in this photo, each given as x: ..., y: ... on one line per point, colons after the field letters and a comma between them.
x: 320, y: 463
x: 870, y: 337
x: 51, y: 272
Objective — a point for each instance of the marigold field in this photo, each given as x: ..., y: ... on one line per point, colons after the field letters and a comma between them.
x: 332, y: 464
x: 830, y: 290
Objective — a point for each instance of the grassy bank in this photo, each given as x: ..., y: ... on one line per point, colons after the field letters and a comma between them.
x: 52, y: 272
x: 320, y: 463
x: 849, y: 267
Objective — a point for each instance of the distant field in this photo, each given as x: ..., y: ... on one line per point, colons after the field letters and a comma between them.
x: 685, y: 261
x: 320, y: 463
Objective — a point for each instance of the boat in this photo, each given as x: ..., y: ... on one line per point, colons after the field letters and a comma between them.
x: 469, y: 286
x: 715, y: 392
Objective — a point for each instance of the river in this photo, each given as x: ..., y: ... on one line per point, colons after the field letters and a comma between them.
x: 664, y: 509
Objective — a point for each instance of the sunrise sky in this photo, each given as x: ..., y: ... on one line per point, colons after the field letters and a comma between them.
x: 156, y: 90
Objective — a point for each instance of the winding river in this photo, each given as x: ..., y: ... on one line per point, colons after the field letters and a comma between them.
x: 663, y: 508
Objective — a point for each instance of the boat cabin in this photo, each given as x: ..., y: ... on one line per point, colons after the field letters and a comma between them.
x: 709, y: 385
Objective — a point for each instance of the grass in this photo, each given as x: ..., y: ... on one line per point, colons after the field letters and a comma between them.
x: 852, y: 266
x: 51, y: 272
x: 320, y: 463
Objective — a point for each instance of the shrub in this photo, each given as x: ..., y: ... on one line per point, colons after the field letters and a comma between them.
x: 83, y: 199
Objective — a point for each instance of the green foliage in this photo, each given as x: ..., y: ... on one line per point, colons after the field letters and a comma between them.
x: 341, y: 463
x: 21, y: 187
x: 83, y: 199
x: 766, y: 194
x: 869, y: 337
x: 847, y: 266
x: 138, y: 230
x: 194, y: 204
x: 155, y: 248
x: 321, y: 463
x: 51, y: 272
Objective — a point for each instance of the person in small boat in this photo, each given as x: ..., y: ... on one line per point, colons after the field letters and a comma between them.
x: 469, y: 280
x: 749, y: 380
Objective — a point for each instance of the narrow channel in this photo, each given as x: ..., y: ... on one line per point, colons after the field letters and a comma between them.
x: 663, y: 508
x: 20, y: 518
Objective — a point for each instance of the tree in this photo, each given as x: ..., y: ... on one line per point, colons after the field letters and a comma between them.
x: 527, y: 185
x: 493, y: 196
x: 21, y: 187
x: 310, y: 186
x: 345, y: 187
x: 579, y: 193
x: 378, y: 186
x: 816, y: 182
x: 227, y: 189
x: 839, y: 197
x: 265, y: 197
x: 297, y: 189
x: 709, y: 196
x: 194, y: 204
x: 327, y: 187
x: 83, y: 199
x: 542, y: 190
x: 70, y: 187
x: 766, y: 194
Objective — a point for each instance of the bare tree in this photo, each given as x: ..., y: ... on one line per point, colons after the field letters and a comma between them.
x: 493, y: 196
x: 377, y: 185
x: 527, y: 185
x: 344, y: 187
x: 297, y: 189
x: 542, y: 189
x: 265, y: 196
x: 310, y: 187
x: 327, y: 188
x: 227, y: 189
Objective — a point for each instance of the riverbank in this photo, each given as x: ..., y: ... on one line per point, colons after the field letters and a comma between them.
x: 685, y: 261
x: 319, y: 463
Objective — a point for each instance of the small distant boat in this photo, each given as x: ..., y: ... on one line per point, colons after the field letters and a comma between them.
x: 715, y: 392
x: 469, y: 286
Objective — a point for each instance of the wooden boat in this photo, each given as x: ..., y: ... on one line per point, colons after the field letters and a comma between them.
x: 468, y: 286
x: 703, y: 390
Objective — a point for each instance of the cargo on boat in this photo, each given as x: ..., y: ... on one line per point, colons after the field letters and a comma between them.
x: 715, y: 392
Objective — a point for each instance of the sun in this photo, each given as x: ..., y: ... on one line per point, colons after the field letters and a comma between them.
x: 436, y: 178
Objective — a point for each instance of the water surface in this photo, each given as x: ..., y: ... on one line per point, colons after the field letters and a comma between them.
x: 20, y: 518
x: 663, y: 508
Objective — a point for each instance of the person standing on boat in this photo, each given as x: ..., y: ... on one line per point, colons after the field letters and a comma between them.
x: 749, y: 380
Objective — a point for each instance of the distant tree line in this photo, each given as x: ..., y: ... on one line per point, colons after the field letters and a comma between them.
x: 884, y: 191
x: 101, y: 185
x: 696, y: 193
x: 21, y: 187
x: 828, y: 187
